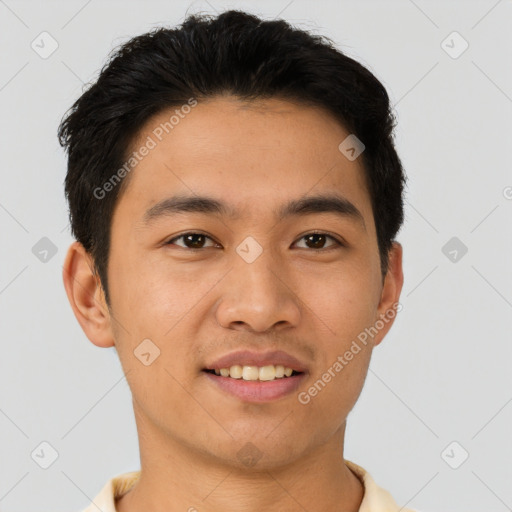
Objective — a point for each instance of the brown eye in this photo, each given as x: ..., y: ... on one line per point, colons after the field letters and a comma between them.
x: 191, y: 241
x: 318, y: 240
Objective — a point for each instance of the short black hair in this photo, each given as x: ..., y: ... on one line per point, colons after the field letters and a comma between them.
x: 233, y: 53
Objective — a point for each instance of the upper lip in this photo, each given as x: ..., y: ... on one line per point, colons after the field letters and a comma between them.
x: 248, y: 358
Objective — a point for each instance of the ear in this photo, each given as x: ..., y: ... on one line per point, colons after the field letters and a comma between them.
x: 389, y: 301
x: 86, y: 296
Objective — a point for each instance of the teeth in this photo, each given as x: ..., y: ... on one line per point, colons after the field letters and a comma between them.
x: 269, y: 372
x: 235, y: 372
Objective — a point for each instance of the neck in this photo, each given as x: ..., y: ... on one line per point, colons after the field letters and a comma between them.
x: 178, y: 477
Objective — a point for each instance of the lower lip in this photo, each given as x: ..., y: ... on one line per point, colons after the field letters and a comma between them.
x: 256, y: 390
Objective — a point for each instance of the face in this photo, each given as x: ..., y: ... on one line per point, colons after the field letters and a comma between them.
x: 254, y: 271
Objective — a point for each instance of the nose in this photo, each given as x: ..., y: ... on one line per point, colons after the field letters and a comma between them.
x: 257, y: 297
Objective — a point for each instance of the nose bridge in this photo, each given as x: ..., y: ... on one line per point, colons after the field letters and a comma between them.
x: 254, y: 293
x: 258, y: 276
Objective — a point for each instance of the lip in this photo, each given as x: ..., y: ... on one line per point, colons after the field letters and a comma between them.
x: 249, y: 358
x: 257, y: 391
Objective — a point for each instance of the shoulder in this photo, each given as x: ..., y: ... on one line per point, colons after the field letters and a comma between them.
x: 375, y: 499
x: 114, y: 488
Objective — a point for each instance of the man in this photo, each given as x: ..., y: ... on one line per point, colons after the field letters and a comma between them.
x: 235, y: 193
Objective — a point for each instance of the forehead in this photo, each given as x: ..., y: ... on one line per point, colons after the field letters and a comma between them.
x: 251, y: 154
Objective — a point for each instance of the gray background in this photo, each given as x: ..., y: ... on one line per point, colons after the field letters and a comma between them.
x: 443, y: 372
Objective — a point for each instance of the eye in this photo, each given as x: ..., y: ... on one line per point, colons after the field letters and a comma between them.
x: 191, y: 240
x: 317, y: 239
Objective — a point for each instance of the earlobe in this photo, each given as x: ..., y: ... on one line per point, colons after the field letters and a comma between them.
x: 389, y: 302
x: 86, y: 296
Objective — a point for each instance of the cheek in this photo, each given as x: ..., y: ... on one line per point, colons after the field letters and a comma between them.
x: 345, y: 299
x: 153, y: 295
x: 343, y: 309
x: 146, y: 314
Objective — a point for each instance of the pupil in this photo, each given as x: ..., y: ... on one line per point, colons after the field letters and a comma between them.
x: 194, y: 244
x: 318, y: 235
x: 316, y: 239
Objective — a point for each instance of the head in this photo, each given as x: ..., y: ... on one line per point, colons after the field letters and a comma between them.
x: 201, y: 163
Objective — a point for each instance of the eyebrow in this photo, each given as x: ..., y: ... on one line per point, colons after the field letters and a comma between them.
x: 330, y: 203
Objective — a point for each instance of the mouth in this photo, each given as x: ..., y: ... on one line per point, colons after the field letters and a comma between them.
x: 256, y: 376
x: 255, y: 384
x: 255, y: 373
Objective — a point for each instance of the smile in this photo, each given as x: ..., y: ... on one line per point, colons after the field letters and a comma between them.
x: 265, y: 373
x: 256, y: 384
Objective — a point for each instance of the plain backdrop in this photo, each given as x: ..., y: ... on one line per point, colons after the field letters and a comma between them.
x: 439, y: 387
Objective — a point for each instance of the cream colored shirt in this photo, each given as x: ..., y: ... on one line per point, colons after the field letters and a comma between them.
x: 375, y: 498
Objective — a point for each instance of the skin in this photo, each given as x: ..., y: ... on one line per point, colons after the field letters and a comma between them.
x: 198, y: 305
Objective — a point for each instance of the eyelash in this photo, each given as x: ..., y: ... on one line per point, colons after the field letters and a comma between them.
x: 337, y: 245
